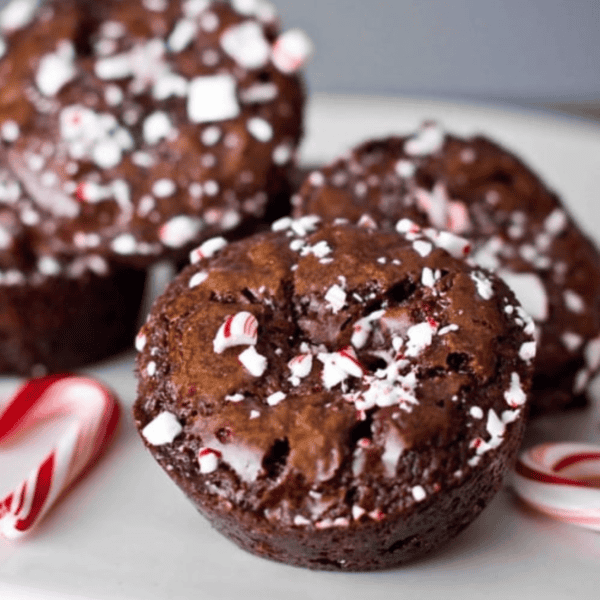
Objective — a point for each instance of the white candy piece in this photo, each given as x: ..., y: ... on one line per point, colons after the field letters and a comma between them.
x: 300, y: 367
x: 247, y: 45
x: 207, y: 249
x: 212, y: 98
x: 428, y: 140
x: 237, y: 330
x: 515, y: 396
x: 208, y: 460
x: 163, y: 429
x: 253, y: 362
x: 56, y: 70
x: 291, y: 51
x: 335, y: 298
x: 179, y: 231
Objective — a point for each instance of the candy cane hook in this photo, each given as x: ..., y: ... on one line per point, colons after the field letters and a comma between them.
x: 97, y: 413
x: 563, y: 481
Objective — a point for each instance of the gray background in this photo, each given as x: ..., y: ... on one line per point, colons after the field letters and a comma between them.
x: 546, y: 50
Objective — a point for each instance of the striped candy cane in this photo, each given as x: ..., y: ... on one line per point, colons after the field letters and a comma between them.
x: 563, y: 481
x: 97, y: 413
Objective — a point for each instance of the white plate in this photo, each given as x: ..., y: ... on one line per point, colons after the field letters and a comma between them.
x: 126, y: 532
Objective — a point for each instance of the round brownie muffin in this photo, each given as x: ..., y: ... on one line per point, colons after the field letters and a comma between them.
x: 516, y: 226
x: 130, y: 131
x: 335, y: 397
x: 141, y: 127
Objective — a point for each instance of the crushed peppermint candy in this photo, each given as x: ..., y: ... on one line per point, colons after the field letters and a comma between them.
x: 56, y: 69
x: 428, y: 140
x: 212, y: 98
x: 197, y: 278
x: 275, y: 398
x: 338, y: 366
x: 335, y: 298
x: 419, y: 493
x: 515, y: 396
x: 163, y: 429
x: 247, y: 45
x: 253, y: 362
x: 208, y: 460
x: 419, y: 337
x: 527, y: 351
x: 207, y: 249
x: 260, y: 129
x: 483, y: 284
x: 300, y: 367
x: 291, y: 51
x: 237, y: 330
x: 179, y: 231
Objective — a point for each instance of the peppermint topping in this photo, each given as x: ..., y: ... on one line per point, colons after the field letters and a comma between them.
x: 208, y: 460
x: 157, y: 127
x: 419, y: 493
x: 260, y: 129
x: 163, y: 429
x: 253, y: 362
x: 247, y: 45
x: 428, y: 140
x: 484, y: 285
x: 197, y: 279
x: 335, y: 298
x: 419, y: 337
x: 515, y: 396
x: 291, y: 51
x: 300, y: 367
x: 212, y: 98
x: 18, y: 14
x: 182, y: 35
x: 527, y: 351
x: 56, y: 70
x: 363, y: 328
x: 95, y: 136
x: 207, y: 249
x: 179, y: 231
x: 237, y: 330
x: 275, y: 398
x: 140, y: 341
x: 574, y: 301
x: 338, y: 366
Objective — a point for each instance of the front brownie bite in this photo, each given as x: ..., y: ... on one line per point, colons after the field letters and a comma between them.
x: 140, y: 128
x: 517, y: 227
x: 335, y: 397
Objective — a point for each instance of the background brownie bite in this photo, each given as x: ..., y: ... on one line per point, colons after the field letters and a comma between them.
x: 335, y: 397
x: 152, y: 125
x: 129, y: 132
x: 516, y: 226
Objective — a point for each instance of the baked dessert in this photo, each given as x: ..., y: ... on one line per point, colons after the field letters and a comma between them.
x: 153, y: 124
x: 131, y: 130
x: 335, y: 397
x: 516, y: 226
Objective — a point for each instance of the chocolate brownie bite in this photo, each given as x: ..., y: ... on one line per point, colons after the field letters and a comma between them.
x: 516, y: 226
x: 130, y: 130
x: 335, y: 397
x: 152, y: 124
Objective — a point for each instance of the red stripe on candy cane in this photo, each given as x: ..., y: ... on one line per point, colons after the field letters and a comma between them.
x: 561, y: 480
x: 97, y: 413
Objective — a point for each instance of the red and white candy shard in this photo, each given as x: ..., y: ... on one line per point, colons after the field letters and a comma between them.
x: 237, y: 330
x: 562, y: 480
x: 97, y: 412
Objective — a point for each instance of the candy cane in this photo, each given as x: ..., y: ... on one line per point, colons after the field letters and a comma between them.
x: 97, y: 413
x: 563, y: 481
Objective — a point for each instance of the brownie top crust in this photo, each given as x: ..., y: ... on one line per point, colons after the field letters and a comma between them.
x: 132, y: 129
x: 280, y: 372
